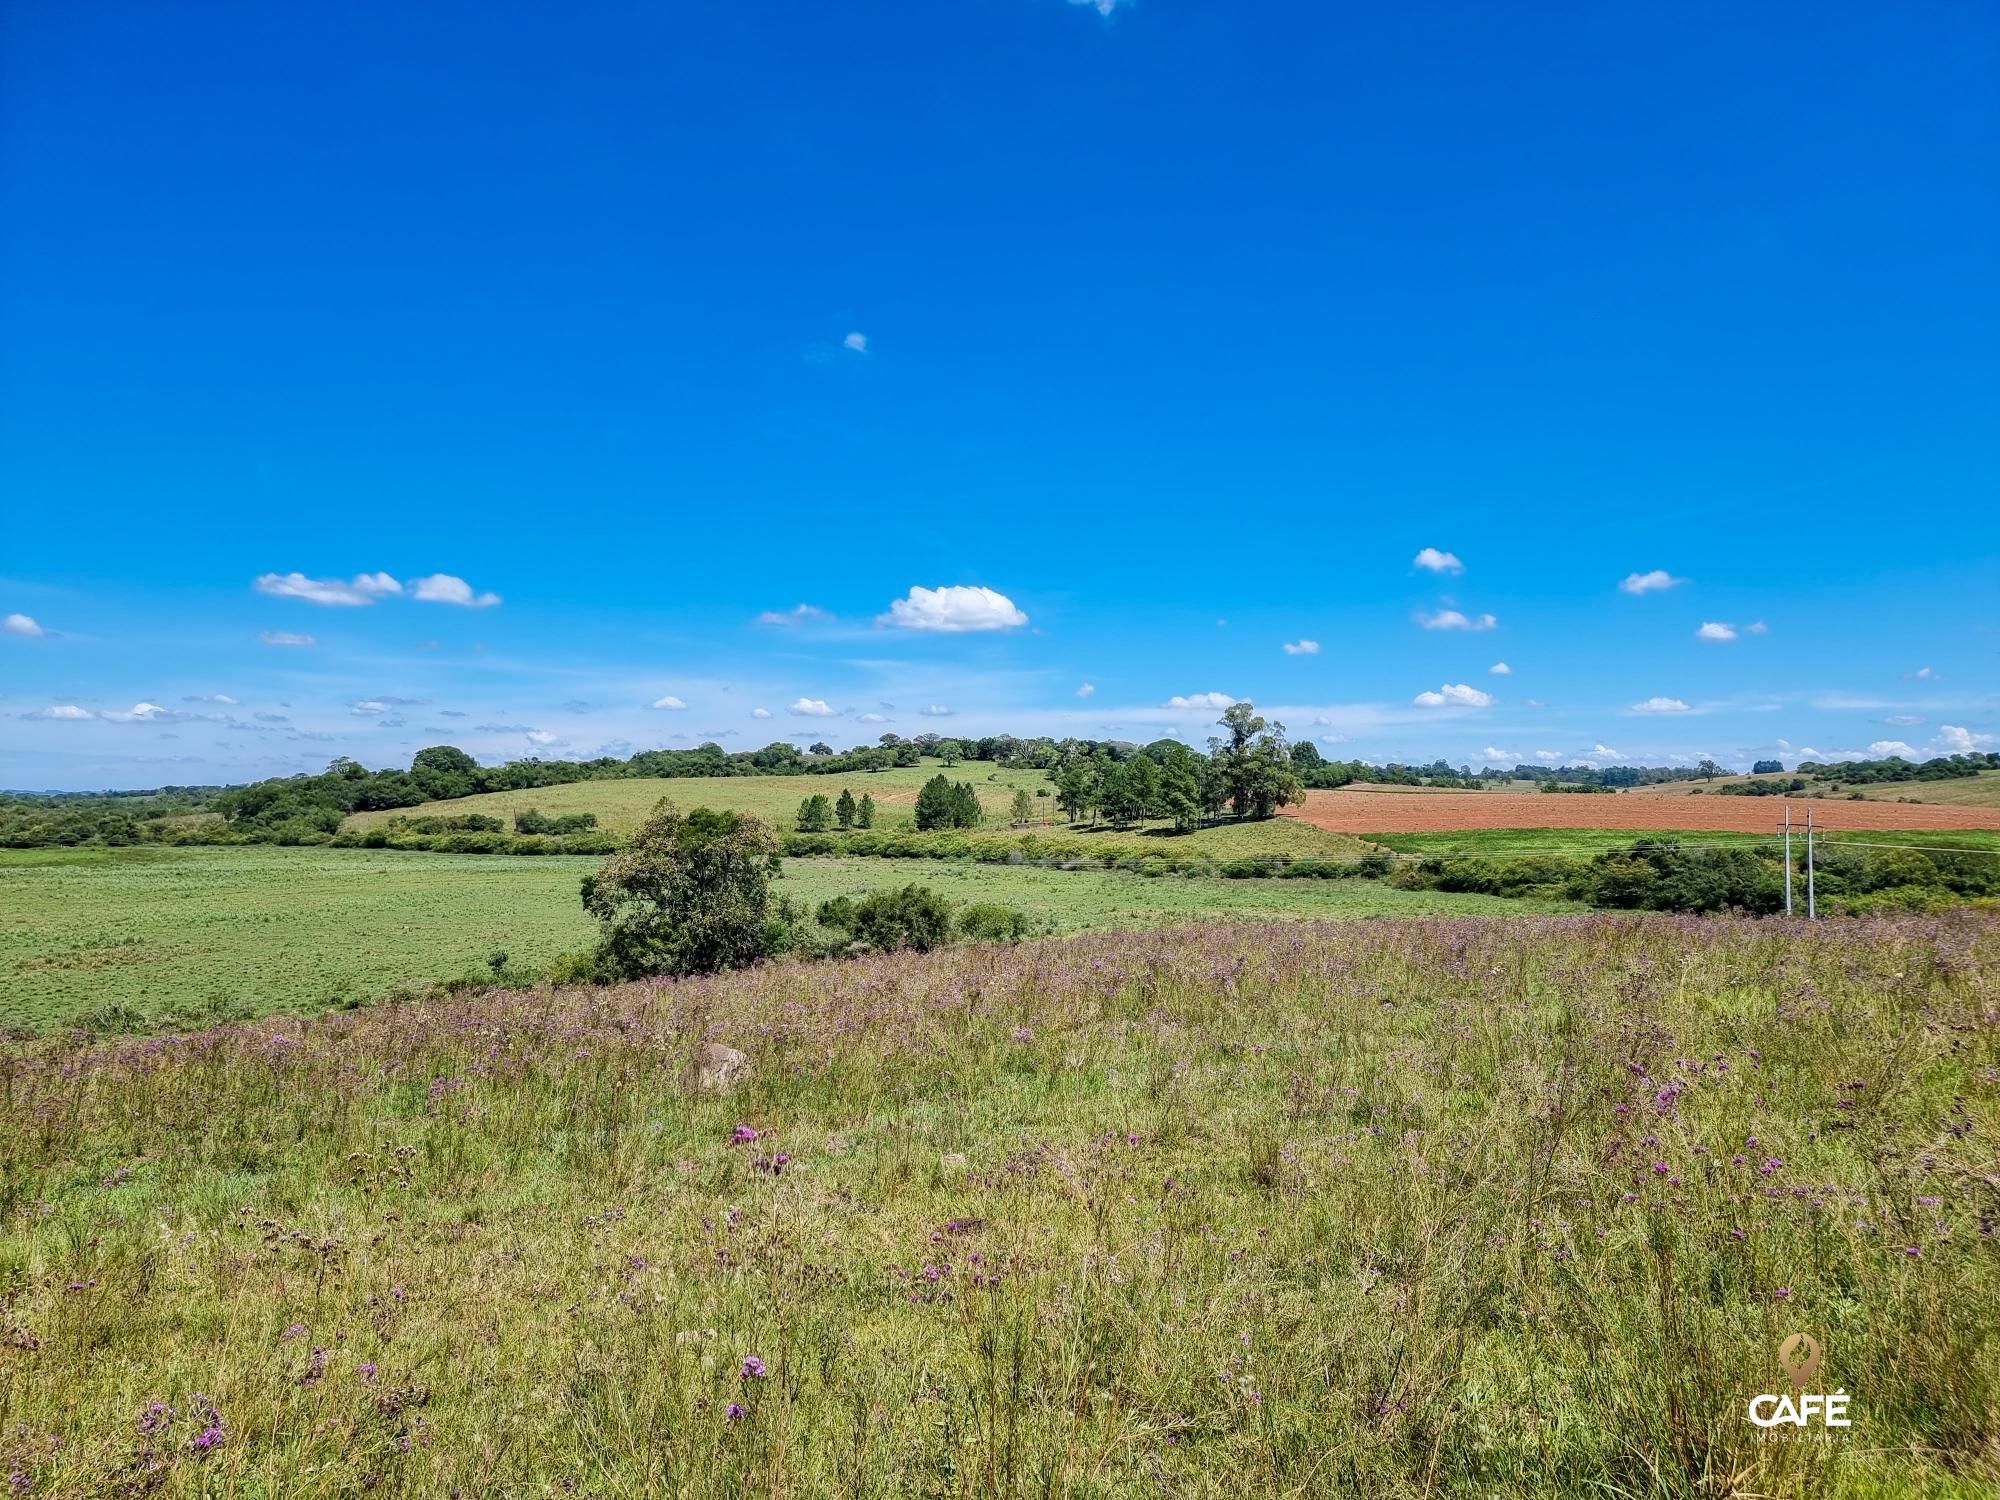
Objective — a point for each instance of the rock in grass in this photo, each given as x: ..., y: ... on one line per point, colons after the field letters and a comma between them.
x: 718, y: 1069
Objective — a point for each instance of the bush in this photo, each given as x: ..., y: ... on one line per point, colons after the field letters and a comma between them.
x: 989, y: 922
x: 915, y: 917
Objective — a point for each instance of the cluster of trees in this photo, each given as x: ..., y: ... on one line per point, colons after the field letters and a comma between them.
x: 1896, y: 768
x: 1249, y: 770
x: 1665, y: 875
x: 817, y: 813
x: 534, y: 820
x: 1608, y: 776
x: 62, y: 819
x: 947, y: 804
x: 1791, y: 786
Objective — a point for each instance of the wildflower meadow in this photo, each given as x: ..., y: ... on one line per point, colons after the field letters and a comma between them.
x: 1390, y: 1208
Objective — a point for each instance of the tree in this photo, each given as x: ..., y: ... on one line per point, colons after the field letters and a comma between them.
x: 843, y: 810
x: 815, y: 814
x: 864, y: 813
x: 1073, y: 784
x: 951, y: 752
x: 1767, y: 767
x: 1024, y: 806
x: 908, y: 755
x: 1709, y: 770
x: 686, y: 895
x: 942, y: 805
x: 1253, y: 764
x: 820, y: 747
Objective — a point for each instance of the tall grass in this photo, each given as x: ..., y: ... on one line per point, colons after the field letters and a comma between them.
x: 1391, y: 1208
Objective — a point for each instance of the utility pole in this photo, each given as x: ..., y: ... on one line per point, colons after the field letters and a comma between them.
x: 1788, y: 858
x: 1812, y: 906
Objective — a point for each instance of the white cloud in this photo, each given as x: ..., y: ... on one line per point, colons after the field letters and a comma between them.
x: 1333, y: 739
x: 1500, y: 669
x: 286, y: 638
x: 1960, y: 740
x: 1199, y: 700
x: 445, y: 588
x: 873, y: 718
x: 1661, y: 706
x: 810, y: 708
x: 1758, y: 627
x: 1715, y: 630
x: 1434, y: 561
x: 935, y: 711
x: 1602, y: 749
x: 858, y: 342
x: 369, y: 706
x: 670, y: 701
x: 798, y: 614
x: 1451, y: 619
x: 1102, y: 7
x: 1495, y: 753
x: 139, y: 713
x: 61, y: 711
x: 1903, y: 721
x: 1086, y: 690
x: 1454, y: 695
x: 22, y: 625
x: 760, y: 713
x: 1301, y: 648
x: 1650, y: 583
x: 1923, y: 674
x: 222, y: 698
x: 1892, y: 747
x: 541, y: 737
x: 953, y: 609
x: 317, y: 590
x: 377, y: 585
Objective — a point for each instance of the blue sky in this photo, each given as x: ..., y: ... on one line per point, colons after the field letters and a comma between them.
x: 1184, y: 327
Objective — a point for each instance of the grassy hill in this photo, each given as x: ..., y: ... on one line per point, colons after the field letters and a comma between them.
x: 621, y: 805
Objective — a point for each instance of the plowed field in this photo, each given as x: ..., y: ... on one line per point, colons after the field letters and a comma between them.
x: 1445, y: 812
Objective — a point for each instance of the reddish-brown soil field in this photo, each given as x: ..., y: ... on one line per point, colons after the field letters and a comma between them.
x: 1348, y: 811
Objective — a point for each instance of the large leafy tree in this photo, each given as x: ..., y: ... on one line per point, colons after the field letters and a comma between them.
x: 1253, y: 763
x: 688, y: 894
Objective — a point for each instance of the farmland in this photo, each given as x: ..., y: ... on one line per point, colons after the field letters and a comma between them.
x: 158, y: 934
x: 1397, y: 1208
x: 1386, y: 812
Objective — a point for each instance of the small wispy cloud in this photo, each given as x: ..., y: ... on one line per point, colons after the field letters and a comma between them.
x: 367, y: 588
x: 935, y: 711
x: 1892, y: 747
x: 1199, y: 700
x: 1302, y: 648
x: 810, y: 708
x: 286, y: 638
x: 670, y: 701
x: 222, y: 698
x: 798, y: 614
x: 1922, y: 674
x: 1661, y: 706
x: 1086, y: 690
x: 24, y: 626
x: 1500, y: 669
x: 1452, y: 619
x: 1715, y: 630
x: 1431, y: 560
x: 1651, y: 582
x: 61, y: 711
x: 857, y: 342
x: 760, y: 713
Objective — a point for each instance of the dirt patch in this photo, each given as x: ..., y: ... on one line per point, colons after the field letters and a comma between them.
x: 1348, y: 811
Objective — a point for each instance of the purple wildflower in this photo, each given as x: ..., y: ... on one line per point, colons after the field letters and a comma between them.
x: 753, y: 1367
x: 743, y: 1135
x: 733, y: 1412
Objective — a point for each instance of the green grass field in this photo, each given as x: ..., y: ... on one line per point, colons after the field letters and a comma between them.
x: 184, y: 933
x: 1982, y: 790
x: 1412, y: 1210
x: 1585, y: 842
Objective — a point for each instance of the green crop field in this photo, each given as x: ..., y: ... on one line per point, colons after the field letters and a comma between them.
x: 1982, y: 790
x: 191, y: 933
x: 621, y: 804
x: 1584, y: 842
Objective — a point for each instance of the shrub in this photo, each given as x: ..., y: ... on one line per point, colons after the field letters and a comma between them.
x: 915, y: 917
x: 989, y: 922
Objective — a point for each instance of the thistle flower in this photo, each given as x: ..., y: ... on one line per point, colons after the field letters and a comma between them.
x: 753, y: 1367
